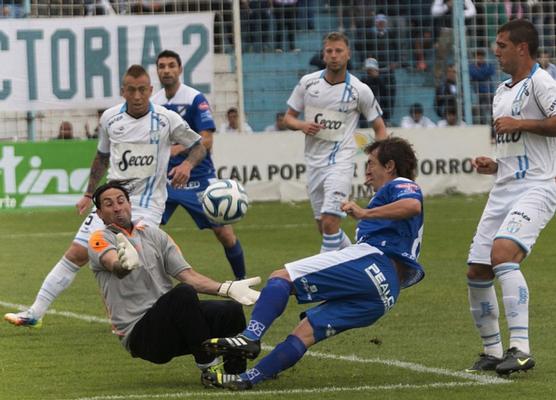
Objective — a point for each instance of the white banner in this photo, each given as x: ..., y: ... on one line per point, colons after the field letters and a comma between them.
x: 57, y: 63
x: 271, y: 166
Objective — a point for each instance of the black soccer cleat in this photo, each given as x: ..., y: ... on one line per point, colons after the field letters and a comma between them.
x: 515, y: 361
x: 226, y: 381
x: 238, y: 346
x: 486, y: 362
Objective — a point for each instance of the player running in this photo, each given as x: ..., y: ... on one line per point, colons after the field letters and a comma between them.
x: 332, y: 101
x: 195, y: 110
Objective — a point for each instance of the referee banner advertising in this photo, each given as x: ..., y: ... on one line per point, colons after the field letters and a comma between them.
x: 54, y: 63
x: 270, y: 165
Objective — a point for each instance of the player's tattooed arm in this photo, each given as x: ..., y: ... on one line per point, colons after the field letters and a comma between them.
x: 98, y: 169
x: 180, y: 174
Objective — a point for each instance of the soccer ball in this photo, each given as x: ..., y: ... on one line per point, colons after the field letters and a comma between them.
x: 225, y: 202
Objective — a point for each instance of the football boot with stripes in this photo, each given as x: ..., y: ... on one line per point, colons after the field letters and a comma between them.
x: 486, y: 362
x: 226, y: 381
x: 24, y: 318
x: 238, y: 346
x: 515, y: 361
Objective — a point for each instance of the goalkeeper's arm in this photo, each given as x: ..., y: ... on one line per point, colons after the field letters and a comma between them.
x: 122, y: 260
x: 240, y: 291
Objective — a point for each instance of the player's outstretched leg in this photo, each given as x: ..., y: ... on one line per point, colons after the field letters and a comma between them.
x: 284, y: 356
x: 271, y: 304
x: 58, y: 279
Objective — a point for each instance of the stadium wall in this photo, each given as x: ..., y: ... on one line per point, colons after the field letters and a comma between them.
x: 270, y: 165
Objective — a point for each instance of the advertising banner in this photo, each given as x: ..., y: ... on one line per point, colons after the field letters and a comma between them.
x: 270, y: 165
x: 60, y: 63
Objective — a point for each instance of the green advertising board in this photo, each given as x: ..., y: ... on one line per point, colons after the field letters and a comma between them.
x: 44, y: 174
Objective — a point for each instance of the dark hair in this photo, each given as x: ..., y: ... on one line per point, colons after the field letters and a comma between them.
x: 336, y: 36
x: 168, y: 54
x: 522, y: 31
x: 136, y: 71
x: 231, y: 110
x: 416, y: 108
x: 280, y: 114
x: 481, y: 52
x: 398, y: 150
x: 451, y: 109
x: 121, y: 184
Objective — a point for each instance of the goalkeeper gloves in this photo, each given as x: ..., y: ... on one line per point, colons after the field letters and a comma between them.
x: 129, y: 259
x: 241, y: 291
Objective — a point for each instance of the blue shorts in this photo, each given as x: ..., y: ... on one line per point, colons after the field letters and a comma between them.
x: 190, y: 199
x: 357, y: 286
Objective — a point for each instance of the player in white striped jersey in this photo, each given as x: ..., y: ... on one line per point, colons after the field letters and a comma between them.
x: 135, y: 138
x: 332, y: 101
x: 521, y: 203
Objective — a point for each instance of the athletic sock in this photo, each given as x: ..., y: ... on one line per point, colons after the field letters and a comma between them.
x: 57, y: 280
x: 485, y: 312
x: 346, y: 241
x: 515, y: 295
x: 270, y: 305
x: 333, y: 241
x: 234, y: 255
x: 285, y: 355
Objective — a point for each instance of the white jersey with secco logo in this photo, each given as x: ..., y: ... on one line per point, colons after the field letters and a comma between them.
x: 336, y: 107
x: 140, y: 149
x: 524, y: 155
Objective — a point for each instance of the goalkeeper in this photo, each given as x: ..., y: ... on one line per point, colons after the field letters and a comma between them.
x: 133, y: 265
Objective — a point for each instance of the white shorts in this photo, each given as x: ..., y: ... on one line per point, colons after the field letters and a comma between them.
x: 93, y: 223
x: 328, y: 186
x: 517, y: 212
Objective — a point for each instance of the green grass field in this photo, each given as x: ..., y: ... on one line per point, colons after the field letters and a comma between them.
x: 424, y: 343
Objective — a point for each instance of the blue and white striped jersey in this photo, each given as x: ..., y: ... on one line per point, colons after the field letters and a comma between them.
x: 399, y: 239
x: 525, y: 155
x: 194, y: 108
x: 140, y: 149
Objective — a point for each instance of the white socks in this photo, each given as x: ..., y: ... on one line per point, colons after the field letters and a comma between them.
x: 335, y: 241
x: 485, y: 312
x: 57, y: 280
x: 515, y: 295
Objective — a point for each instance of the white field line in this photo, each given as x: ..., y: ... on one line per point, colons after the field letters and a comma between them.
x: 477, y: 379
x: 169, y: 230
x: 257, y: 393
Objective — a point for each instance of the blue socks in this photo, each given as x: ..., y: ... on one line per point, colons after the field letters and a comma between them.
x: 234, y: 255
x: 285, y: 355
x: 271, y: 304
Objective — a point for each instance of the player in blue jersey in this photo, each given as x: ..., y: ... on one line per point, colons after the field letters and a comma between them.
x: 195, y: 109
x: 354, y: 286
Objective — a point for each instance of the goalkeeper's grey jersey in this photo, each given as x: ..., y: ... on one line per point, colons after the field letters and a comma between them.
x: 129, y: 298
